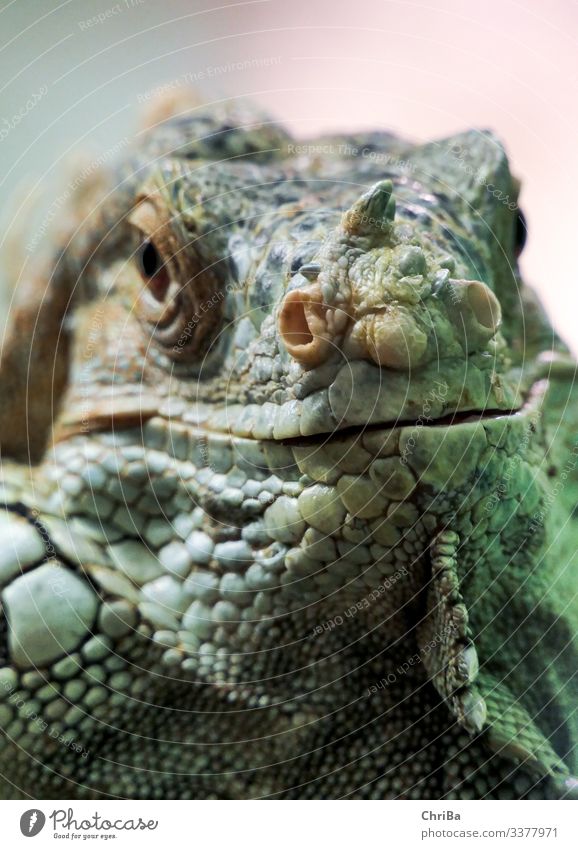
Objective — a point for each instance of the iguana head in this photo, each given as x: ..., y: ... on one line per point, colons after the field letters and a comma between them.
x: 280, y: 300
x: 293, y: 295
x: 281, y: 370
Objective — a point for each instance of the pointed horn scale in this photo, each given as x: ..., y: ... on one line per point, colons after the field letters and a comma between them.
x: 372, y: 213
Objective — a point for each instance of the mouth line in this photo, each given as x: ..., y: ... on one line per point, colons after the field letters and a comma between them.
x: 125, y: 419
x: 454, y: 419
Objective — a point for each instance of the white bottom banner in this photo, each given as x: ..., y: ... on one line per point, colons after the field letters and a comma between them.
x: 287, y: 825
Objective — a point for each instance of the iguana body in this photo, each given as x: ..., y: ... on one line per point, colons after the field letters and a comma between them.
x: 304, y: 523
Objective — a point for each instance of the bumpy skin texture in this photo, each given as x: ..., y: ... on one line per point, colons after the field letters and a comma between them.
x: 299, y: 518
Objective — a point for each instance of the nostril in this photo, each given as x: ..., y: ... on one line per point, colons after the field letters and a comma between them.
x: 303, y: 326
x: 294, y: 325
x: 484, y: 305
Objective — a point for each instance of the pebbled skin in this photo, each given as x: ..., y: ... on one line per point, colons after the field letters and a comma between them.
x: 303, y: 528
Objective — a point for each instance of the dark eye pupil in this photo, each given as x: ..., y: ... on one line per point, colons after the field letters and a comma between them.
x: 521, y: 232
x: 149, y: 259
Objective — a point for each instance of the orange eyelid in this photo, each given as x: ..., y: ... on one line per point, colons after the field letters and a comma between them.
x: 149, y: 214
x: 152, y: 219
x: 171, y: 314
x: 145, y: 217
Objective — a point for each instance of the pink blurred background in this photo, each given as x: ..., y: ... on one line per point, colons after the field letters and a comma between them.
x: 420, y: 69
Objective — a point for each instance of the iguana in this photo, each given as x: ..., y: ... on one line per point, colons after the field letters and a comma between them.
x: 289, y: 479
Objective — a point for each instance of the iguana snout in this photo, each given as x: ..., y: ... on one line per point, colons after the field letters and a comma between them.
x: 376, y: 295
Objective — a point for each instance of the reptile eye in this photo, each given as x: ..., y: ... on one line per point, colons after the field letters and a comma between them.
x: 150, y: 261
x: 178, y: 301
x: 153, y: 271
x: 520, y: 233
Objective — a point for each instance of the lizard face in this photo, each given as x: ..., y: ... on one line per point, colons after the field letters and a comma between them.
x: 264, y: 303
x: 275, y: 319
x: 275, y: 377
